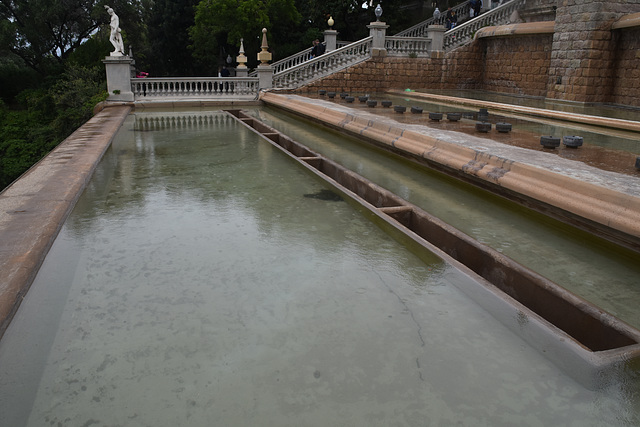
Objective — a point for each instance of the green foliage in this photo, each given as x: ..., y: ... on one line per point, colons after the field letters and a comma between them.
x: 15, y: 77
x: 168, y: 23
x: 44, y: 33
x: 220, y: 24
x: 46, y: 116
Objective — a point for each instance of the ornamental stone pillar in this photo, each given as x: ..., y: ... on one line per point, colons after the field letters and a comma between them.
x: 265, y: 70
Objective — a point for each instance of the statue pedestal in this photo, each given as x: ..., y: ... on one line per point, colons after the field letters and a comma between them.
x: 119, y: 78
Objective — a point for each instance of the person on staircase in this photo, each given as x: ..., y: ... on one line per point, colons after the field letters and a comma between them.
x: 451, y: 19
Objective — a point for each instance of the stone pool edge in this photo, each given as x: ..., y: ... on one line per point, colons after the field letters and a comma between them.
x: 614, y: 213
x: 35, y: 206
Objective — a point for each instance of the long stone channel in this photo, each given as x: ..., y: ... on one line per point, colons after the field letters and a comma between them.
x: 582, y: 339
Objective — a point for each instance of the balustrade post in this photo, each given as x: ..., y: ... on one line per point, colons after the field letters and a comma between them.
x: 436, y: 34
x: 378, y: 31
x: 330, y: 40
x: 241, y: 69
x: 265, y: 70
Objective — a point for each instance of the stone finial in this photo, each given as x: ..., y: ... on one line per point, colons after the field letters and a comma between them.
x: 264, y: 56
x: 241, y: 58
x: 378, y: 12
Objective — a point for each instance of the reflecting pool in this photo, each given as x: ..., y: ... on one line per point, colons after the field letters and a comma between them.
x: 204, y: 279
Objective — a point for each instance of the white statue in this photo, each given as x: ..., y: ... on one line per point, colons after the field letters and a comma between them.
x: 115, y: 37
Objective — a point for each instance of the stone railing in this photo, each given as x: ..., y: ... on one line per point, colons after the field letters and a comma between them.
x: 295, y: 59
x: 408, y: 46
x: 323, y: 65
x: 193, y: 87
x: 464, y: 33
x: 420, y: 30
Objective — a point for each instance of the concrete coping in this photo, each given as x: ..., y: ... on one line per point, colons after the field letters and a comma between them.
x: 527, y: 28
x: 627, y: 21
x: 605, y: 122
x: 35, y: 206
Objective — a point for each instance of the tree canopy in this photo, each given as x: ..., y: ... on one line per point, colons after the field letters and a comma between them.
x: 220, y: 24
x: 43, y: 33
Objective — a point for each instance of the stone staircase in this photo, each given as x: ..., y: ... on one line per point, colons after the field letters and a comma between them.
x: 298, y: 70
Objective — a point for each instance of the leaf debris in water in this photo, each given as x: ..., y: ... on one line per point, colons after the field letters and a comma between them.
x: 326, y: 195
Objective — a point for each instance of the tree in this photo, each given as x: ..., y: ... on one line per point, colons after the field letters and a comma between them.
x: 220, y: 24
x: 43, y: 32
x: 168, y: 25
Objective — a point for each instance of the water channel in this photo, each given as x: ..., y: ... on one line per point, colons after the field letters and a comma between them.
x: 204, y: 278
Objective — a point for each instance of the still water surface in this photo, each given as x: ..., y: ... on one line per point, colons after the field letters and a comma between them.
x: 602, y: 273
x: 199, y: 282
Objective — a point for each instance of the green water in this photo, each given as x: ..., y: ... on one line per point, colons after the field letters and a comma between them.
x: 199, y: 281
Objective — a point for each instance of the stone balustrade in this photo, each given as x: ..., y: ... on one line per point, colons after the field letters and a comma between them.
x: 464, y: 33
x: 421, y: 29
x: 295, y: 59
x: 193, y: 87
x: 408, y: 46
x: 323, y: 65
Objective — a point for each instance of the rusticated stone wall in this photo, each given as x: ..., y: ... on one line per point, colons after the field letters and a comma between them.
x: 381, y: 73
x: 584, y: 60
x: 626, y: 87
x: 462, y: 68
x: 518, y: 65
x: 583, y: 52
